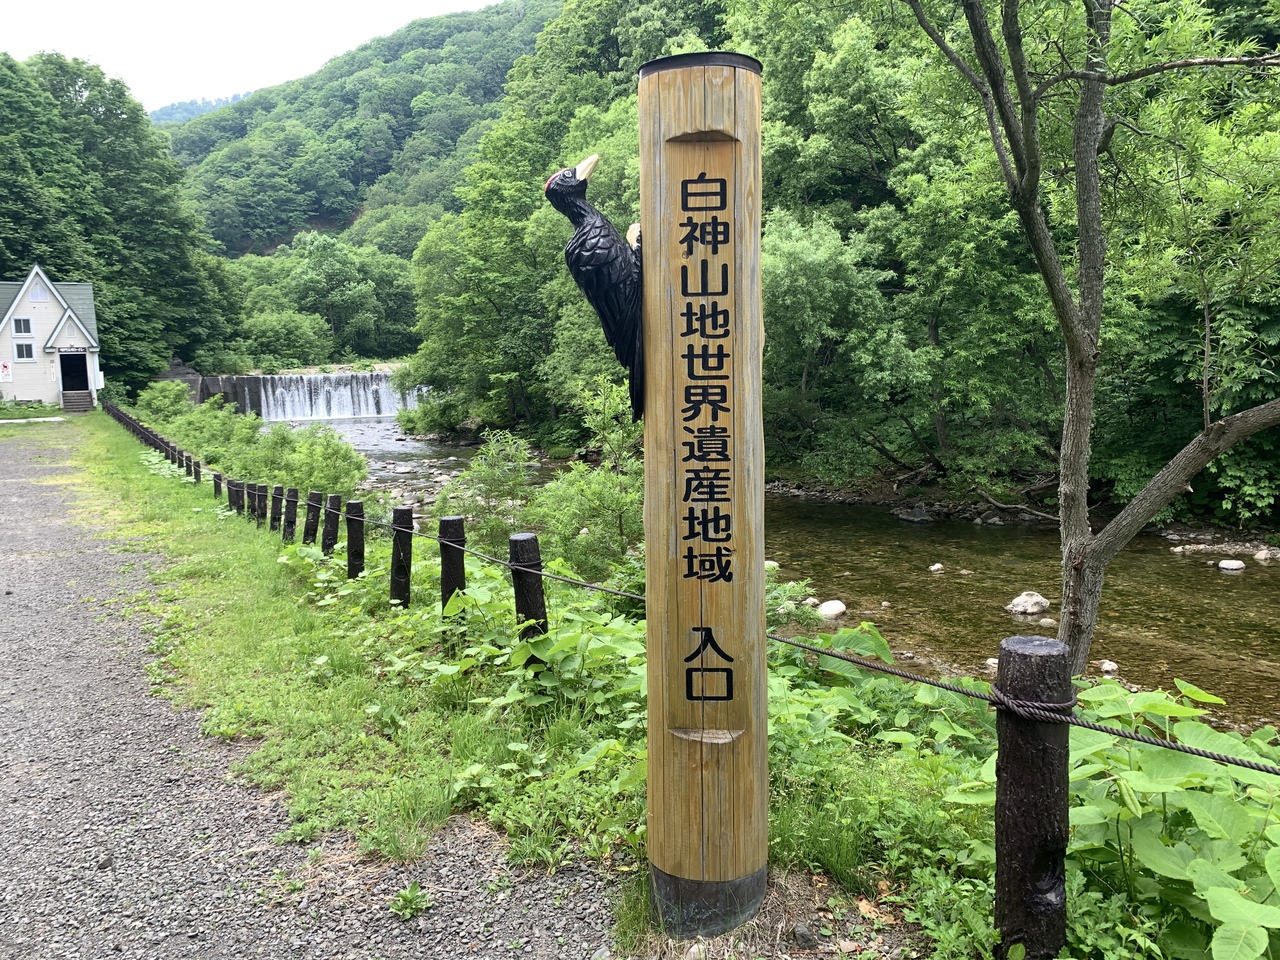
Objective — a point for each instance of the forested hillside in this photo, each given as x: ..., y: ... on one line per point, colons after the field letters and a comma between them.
x: 189, y: 109
x: 385, y: 128
x: 88, y: 189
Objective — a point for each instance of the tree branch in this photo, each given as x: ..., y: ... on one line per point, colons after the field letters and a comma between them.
x: 1176, y: 476
x: 1266, y: 60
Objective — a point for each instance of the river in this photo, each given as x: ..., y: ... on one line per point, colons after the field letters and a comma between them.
x: 1162, y: 615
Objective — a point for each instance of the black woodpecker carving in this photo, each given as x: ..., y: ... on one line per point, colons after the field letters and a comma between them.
x: 606, y: 268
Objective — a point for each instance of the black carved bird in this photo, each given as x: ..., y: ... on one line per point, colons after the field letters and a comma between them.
x: 606, y: 268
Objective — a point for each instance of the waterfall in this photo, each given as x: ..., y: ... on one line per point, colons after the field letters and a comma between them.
x: 318, y: 396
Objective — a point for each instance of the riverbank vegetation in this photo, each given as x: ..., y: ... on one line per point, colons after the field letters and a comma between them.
x: 383, y: 722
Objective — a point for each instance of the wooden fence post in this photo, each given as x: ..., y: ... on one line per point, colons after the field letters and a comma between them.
x: 289, y: 529
x: 453, y: 567
x: 277, y: 507
x: 262, y: 504
x: 312, y: 523
x: 401, y: 554
x: 1031, y: 800
x: 355, y: 538
x: 235, y: 492
x: 188, y: 464
x: 700, y: 190
x: 217, y: 485
x: 329, y: 534
x: 531, y: 602
x: 195, y: 467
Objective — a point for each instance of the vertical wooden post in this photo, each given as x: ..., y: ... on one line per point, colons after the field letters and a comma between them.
x: 235, y: 492
x: 1031, y: 800
x: 195, y: 467
x: 531, y: 601
x: 355, y: 538
x: 329, y: 532
x: 453, y: 567
x: 261, y: 513
x: 289, y: 529
x: 704, y: 490
x: 312, y: 522
x: 217, y: 485
x: 187, y: 464
x: 277, y: 507
x: 401, y: 553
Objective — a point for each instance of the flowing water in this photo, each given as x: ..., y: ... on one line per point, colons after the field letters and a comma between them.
x: 1162, y: 615
x: 315, y: 396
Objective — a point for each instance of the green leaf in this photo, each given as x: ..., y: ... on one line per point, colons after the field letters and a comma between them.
x: 1192, y: 692
x: 1206, y: 875
x: 1239, y: 941
x: 1273, y: 866
x: 1154, y: 855
x: 1081, y: 816
x: 1219, y: 816
x: 1227, y: 906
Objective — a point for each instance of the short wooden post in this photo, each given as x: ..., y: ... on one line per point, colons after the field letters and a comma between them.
x: 1032, y: 800
x: 355, y: 538
x: 262, y: 504
x: 700, y: 190
x: 195, y: 468
x: 401, y: 554
x: 329, y: 532
x: 453, y: 567
x: 289, y: 528
x: 252, y: 489
x: 188, y: 464
x: 277, y: 507
x: 235, y: 495
x: 312, y: 523
x: 531, y: 602
x: 217, y: 485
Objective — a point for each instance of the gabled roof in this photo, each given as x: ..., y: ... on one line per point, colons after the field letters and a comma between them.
x: 76, y: 300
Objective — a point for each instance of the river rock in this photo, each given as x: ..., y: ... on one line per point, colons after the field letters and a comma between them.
x: 1230, y: 566
x: 811, y: 601
x: 771, y: 564
x: 936, y: 568
x: 1266, y: 554
x: 1048, y: 622
x: 1028, y: 603
x: 914, y: 515
x: 832, y: 609
x: 966, y: 573
x: 1108, y: 668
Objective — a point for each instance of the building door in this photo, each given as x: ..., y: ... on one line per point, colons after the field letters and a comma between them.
x: 75, y: 371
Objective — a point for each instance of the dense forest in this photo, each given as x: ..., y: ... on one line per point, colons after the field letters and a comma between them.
x: 391, y: 204
x: 189, y: 109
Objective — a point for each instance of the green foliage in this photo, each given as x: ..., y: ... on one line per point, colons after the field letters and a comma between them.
x: 383, y: 125
x: 409, y: 902
x: 313, y: 458
x: 91, y: 193
x: 491, y: 492
x: 25, y: 410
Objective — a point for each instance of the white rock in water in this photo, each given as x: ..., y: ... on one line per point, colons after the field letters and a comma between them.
x: 1108, y: 667
x: 1231, y: 566
x: 936, y: 568
x: 1028, y: 603
x: 832, y: 609
x: 811, y: 601
x: 885, y: 604
x: 1262, y: 555
x: 771, y: 564
x: 1176, y: 550
x: 992, y: 663
x: 1048, y: 622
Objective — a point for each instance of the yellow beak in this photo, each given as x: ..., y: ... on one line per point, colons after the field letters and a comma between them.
x: 583, y: 170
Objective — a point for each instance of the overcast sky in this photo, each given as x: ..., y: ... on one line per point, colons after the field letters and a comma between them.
x: 169, y: 51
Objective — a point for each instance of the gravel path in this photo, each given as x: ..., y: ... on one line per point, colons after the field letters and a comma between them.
x: 121, y: 831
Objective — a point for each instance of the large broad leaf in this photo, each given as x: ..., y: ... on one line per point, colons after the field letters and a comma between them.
x: 1192, y: 692
x: 1219, y: 816
x: 1085, y: 742
x: 1227, y: 906
x: 1273, y: 866
x: 1206, y: 876
x: 1239, y: 941
x: 1154, y: 855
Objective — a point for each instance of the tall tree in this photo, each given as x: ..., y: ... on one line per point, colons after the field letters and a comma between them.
x: 1058, y: 101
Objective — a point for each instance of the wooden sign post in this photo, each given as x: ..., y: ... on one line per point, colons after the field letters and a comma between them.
x: 704, y: 490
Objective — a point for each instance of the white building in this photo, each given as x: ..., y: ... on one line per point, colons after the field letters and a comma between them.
x: 49, y: 342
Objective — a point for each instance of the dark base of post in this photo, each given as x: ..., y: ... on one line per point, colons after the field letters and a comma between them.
x: 704, y: 908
